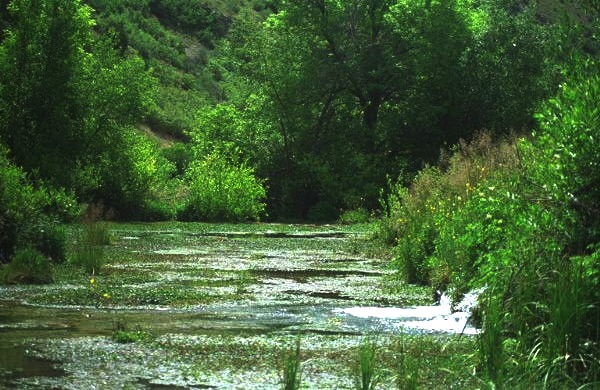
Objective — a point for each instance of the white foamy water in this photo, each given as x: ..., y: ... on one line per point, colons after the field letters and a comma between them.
x: 435, y: 319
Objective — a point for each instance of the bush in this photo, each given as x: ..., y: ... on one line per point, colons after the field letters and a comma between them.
x: 221, y: 191
x: 415, y: 217
x: 360, y: 215
x: 179, y: 154
x: 27, y: 266
x: 51, y: 241
x: 29, y: 214
x: 521, y: 220
x: 130, y: 176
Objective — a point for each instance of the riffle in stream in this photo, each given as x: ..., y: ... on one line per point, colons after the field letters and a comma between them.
x: 218, y: 307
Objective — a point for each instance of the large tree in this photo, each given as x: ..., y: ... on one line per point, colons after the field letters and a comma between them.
x: 41, y: 114
x: 69, y: 103
x: 360, y: 89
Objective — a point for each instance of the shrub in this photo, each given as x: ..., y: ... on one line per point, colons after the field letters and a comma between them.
x: 29, y: 214
x: 27, y: 266
x: 415, y: 217
x: 360, y: 215
x: 521, y: 219
x: 51, y: 241
x: 178, y: 154
x: 222, y: 191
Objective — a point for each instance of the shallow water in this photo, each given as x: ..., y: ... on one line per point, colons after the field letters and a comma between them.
x: 218, y: 305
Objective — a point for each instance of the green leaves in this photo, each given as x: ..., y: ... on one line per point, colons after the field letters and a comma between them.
x: 221, y: 190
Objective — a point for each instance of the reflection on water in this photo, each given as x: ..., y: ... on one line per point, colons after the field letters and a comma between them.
x: 15, y: 363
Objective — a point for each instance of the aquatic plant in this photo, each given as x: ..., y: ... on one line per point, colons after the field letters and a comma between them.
x: 99, y: 294
x: 291, y: 367
x: 89, y: 249
x: 123, y: 334
x: 368, y: 374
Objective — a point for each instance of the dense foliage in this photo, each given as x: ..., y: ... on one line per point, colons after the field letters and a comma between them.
x: 304, y: 109
x: 72, y: 105
x: 353, y: 92
x: 28, y: 213
x: 518, y: 218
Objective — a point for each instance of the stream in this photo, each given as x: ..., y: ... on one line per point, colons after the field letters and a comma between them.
x: 217, y: 305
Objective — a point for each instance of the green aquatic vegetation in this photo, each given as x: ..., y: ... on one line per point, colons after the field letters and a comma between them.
x: 368, y: 372
x: 291, y: 372
x: 101, y: 294
x: 89, y: 250
x: 227, y: 339
x: 123, y: 334
x: 169, y: 294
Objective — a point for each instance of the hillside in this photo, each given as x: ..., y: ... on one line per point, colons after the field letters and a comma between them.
x: 176, y: 39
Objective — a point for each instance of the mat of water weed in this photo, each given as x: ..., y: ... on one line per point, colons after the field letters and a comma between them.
x: 217, y: 305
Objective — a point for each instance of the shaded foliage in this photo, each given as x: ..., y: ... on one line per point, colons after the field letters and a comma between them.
x: 358, y: 91
x: 523, y: 228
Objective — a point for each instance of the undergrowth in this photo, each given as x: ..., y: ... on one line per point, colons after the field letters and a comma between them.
x: 517, y: 216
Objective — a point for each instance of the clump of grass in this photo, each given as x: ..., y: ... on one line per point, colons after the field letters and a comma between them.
x: 407, y: 372
x: 122, y: 334
x: 28, y: 265
x: 368, y: 373
x: 491, y: 349
x: 89, y: 250
x: 291, y: 376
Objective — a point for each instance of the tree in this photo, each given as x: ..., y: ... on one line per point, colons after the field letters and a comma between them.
x: 41, y: 112
x: 69, y: 104
x: 327, y: 72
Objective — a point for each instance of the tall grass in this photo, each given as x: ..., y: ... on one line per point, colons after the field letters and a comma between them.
x: 291, y: 376
x: 491, y: 349
x: 569, y: 338
x: 407, y: 372
x: 89, y: 248
x: 368, y: 373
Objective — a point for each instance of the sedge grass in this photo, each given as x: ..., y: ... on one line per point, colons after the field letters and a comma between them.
x: 369, y: 374
x: 291, y: 376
